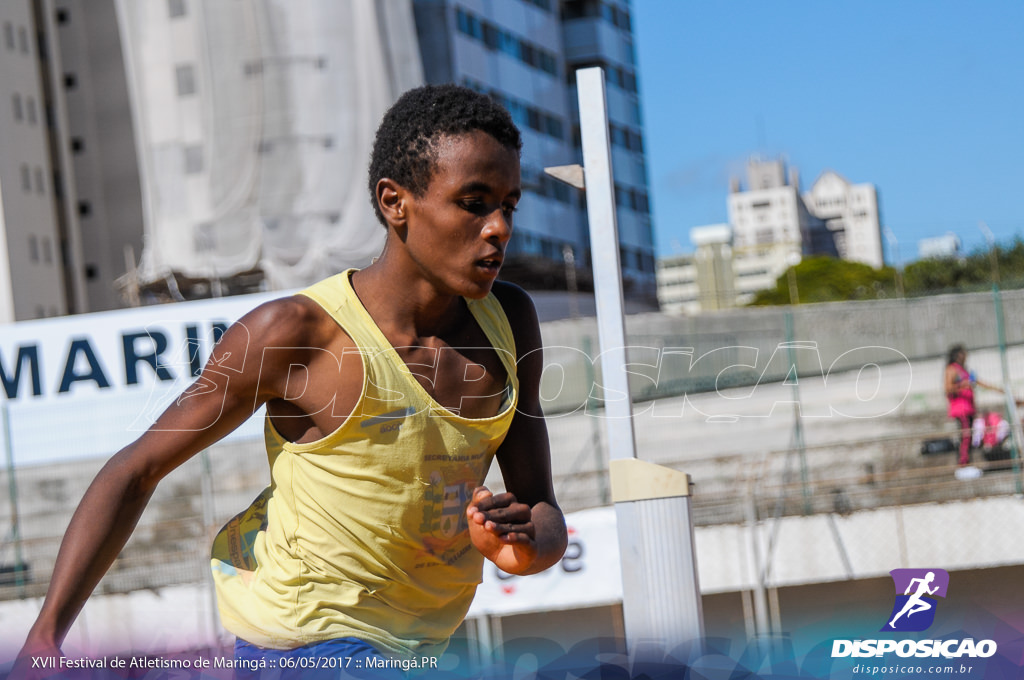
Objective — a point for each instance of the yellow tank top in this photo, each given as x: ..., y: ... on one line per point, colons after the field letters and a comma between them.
x: 363, y: 533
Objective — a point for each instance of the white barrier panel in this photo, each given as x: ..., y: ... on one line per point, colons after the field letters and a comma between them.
x: 80, y: 386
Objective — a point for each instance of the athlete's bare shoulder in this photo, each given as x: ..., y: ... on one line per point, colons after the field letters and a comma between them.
x: 293, y: 321
x: 516, y: 302
x: 521, y: 314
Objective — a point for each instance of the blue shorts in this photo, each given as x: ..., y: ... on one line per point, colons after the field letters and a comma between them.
x: 329, y: 660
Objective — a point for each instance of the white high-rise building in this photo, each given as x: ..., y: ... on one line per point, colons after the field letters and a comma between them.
x: 678, y: 290
x: 850, y: 213
x: 32, y: 283
x: 771, y: 226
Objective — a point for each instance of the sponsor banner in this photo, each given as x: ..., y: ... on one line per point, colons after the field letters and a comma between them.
x: 81, y: 386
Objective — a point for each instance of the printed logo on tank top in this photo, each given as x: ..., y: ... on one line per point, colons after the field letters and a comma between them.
x: 444, y: 524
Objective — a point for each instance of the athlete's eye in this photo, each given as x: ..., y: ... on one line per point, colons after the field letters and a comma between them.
x: 475, y: 206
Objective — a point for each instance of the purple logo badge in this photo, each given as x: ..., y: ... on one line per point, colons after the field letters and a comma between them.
x: 916, y: 590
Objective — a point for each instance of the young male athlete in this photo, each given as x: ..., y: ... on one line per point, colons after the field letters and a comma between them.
x: 388, y: 390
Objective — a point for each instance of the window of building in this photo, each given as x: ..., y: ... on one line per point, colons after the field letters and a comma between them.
x: 528, y: 116
x: 26, y: 178
x: 468, y: 24
x: 23, y: 39
x: 643, y: 203
x: 621, y: 196
x: 490, y: 36
x: 185, y: 76
x: 77, y: 145
x: 495, y: 38
x: 62, y: 15
x: 48, y: 252
x: 8, y: 35
x: 175, y: 8
x: 33, y: 248
x: 16, y: 106
x: 581, y: 9
x: 618, y: 16
x: 92, y: 271
x: 40, y: 184
x: 70, y: 81
x: 84, y: 208
x: 30, y: 108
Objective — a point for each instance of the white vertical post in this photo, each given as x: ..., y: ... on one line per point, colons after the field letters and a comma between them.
x: 604, y: 249
x: 661, y: 597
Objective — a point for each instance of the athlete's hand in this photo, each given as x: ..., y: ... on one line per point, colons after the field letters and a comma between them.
x: 502, y: 530
x: 35, y: 661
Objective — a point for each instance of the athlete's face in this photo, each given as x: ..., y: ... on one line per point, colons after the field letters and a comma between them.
x: 457, y: 231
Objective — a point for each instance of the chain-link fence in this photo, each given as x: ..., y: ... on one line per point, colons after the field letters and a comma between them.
x: 812, y: 411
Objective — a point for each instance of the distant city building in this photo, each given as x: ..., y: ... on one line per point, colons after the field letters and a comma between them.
x: 34, y: 240
x: 773, y: 226
x: 677, y: 284
x: 770, y: 225
x: 170, y: 150
x: 850, y: 213
x: 525, y: 53
x: 939, y: 247
x: 714, y: 262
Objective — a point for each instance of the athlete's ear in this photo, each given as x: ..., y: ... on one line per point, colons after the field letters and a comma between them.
x: 391, y: 197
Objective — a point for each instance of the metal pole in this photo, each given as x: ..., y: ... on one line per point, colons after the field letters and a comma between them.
x: 12, y: 488
x: 661, y: 597
x: 798, y: 422
x: 209, y: 524
x: 1016, y: 434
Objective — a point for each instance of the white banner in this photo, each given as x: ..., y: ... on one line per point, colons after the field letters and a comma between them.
x: 82, y: 386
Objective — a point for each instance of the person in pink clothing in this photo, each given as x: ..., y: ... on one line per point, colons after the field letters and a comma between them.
x: 959, y: 386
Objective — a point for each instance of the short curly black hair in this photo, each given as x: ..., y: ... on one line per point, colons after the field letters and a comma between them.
x: 405, y: 148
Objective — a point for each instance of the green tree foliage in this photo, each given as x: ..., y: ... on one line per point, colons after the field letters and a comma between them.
x: 826, y: 279
x: 972, y: 272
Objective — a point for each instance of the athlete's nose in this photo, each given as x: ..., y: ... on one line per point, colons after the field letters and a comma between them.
x: 498, y: 228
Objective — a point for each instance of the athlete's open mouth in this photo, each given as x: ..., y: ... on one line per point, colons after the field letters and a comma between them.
x: 491, y: 263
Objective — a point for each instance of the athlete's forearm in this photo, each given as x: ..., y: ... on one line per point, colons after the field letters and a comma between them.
x: 98, y: 531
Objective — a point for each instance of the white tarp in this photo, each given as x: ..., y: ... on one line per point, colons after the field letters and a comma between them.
x: 254, y: 122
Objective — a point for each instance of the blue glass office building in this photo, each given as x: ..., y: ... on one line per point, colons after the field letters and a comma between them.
x: 525, y: 53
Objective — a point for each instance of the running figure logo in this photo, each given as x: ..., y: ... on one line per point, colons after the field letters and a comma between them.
x: 915, y: 608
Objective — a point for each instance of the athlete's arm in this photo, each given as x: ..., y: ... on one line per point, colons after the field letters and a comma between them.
x: 952, y: 381
x: 522, y: 530
x: 235, y: 382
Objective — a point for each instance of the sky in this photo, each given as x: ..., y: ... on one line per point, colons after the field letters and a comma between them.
x: 923, y: 99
